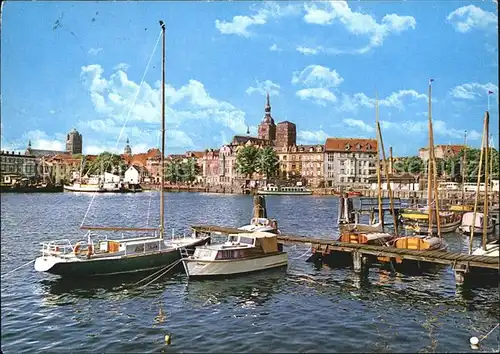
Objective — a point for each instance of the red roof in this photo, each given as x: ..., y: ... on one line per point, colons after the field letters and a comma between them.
x: 351, y: 145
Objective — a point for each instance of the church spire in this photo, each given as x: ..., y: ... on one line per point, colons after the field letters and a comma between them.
x: 268, y: 105
x: 29, y: 144
x: 248, y: 130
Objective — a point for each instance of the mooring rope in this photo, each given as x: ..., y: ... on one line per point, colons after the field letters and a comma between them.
x: 128, y: 116
x: 173, y: 265
x: 13, y: 270
x: 487, y: 334
x: 163, y: 271
x: 305, y: 253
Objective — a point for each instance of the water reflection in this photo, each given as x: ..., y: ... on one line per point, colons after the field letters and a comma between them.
x: 248, y: 291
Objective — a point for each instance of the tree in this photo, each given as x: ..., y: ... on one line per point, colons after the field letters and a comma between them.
x: 189, y: 170
x: 173, y: 171
x: 267, y: 162
x: 106, y: 162
x: 246, y: 160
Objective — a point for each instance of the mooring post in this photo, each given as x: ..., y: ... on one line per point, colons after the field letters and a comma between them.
x: 259, y: 206
x: 461, y: 273
x: 340, y: 216
x: 360, y: 262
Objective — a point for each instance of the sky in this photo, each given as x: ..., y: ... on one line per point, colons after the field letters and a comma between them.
x: 80, y: 65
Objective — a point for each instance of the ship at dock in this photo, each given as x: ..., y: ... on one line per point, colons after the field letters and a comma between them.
x: 272, y: 189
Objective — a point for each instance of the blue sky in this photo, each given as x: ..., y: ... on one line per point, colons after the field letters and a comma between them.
x: 79, y: 64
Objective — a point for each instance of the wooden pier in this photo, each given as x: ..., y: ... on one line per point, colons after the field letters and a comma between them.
x: 362, y: 254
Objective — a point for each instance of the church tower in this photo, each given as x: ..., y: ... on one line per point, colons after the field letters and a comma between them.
x: 128, y: 149
x: 267, y: 129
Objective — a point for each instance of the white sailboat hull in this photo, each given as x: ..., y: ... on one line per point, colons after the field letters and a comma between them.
x: 211, y: 268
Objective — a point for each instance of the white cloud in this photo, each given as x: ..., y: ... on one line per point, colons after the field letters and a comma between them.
x: 466, y: 18
x: 312, y: 136
x: 394, y: 100
x: 318, y: 95
x: 113, y: 97
x: 359, y: 124
x: 41, y: 140
x: 275, y: 48
x: 263, y: 87
x: 308, y: 51
x: 317, y: 75
x: 94, y: 51
x: 358, y: 23
x: 239, y: 24
x: 473, y: 90
x: 122, y: 67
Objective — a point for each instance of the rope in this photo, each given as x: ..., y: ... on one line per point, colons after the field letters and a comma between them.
x: 172, y: 266
x: 487, y: 334
x: 13, y: 270
x: 305, y: 253
x: 128, y: 116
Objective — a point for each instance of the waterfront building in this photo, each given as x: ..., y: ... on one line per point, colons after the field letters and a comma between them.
x: 63, y: 168
x: 74, y: 143
x: 17, y: 165
x: 150, y: 160
x: 349, y: 161
x: 136, y: 174
x: 267, y: 129
x: 301, y: 162
x: 211, y: 167
x: 399, y: 182
x: 38, y: 153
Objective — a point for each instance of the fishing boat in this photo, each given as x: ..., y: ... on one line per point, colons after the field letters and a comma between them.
x: 478, y: 225
x: 272, y: 189
x: 121, y: 255
x: 417, y: 221
x: 94, y: 188
x: 241, y: 253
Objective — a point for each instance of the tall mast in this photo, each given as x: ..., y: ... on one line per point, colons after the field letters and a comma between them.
x: 486, y: 182
x: 464, y: 167
x: 162, y: 175
x: 379, y: 182
x: 429, y: 162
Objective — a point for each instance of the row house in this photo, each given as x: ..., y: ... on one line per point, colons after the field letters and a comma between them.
x: 148, y: 164
x: 17, y: 165
x: 62, y: 168
x: 210, y: 167
x: 349, y: 160
x: 301, y: 161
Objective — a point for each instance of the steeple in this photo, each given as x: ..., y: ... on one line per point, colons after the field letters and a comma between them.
x: 29, y: 144
x: 248, y: 130
x: 268, y: 105
x: 128, y: 149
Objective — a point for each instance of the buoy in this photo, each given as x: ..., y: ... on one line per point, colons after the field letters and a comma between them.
x: 474, y: 343
x: 167, y: 339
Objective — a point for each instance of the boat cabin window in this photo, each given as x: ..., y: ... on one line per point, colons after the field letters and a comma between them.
x: 231, y: 254
x: 233, y: 238
x: 246, y: 240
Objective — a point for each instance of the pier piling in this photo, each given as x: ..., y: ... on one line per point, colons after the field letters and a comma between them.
x: 259, y: 206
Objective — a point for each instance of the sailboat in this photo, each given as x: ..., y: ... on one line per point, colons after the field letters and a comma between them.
x: 423, y: 221
x: 492, y: 248
x: 372, y: 233
x: 117, y: 256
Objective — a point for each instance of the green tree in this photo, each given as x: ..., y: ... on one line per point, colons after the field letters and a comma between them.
x: 173, y: 171
x: 411, y: 164
x: 106, y: 162
x: 246, y: 159
x: 189, y: 170
x: 267, y: 162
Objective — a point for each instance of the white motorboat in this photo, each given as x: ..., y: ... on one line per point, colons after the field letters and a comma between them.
x: 241, y: 253
x: 272, y: 189
x: 467, y: 224
x: 261, y: 224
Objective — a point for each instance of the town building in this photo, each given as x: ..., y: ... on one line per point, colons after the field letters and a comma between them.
x: 301, y: 163
x: 136, y: 174
x: 210, y: 168
x: 349, y: 160
x: 441, y: 151
x: 42, y: 152
x: 399, y: 182
x: 286, y: 134
x: 74, y: 143
x: 17, y: 166
x: 127, y: 150
x: 150, y: 160
x: 267, y: 129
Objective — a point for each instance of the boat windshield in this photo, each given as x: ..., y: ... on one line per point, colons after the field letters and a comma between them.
x: 232, y: 238
x: 246, y: 240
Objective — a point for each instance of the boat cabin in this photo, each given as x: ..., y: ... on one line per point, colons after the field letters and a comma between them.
x: 238, y: 246
x: 468, y: 219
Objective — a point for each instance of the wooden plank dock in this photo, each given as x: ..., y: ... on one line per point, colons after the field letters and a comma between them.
x: 461, y: 263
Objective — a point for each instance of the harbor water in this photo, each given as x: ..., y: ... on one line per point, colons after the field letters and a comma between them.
x: 301, y: 309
